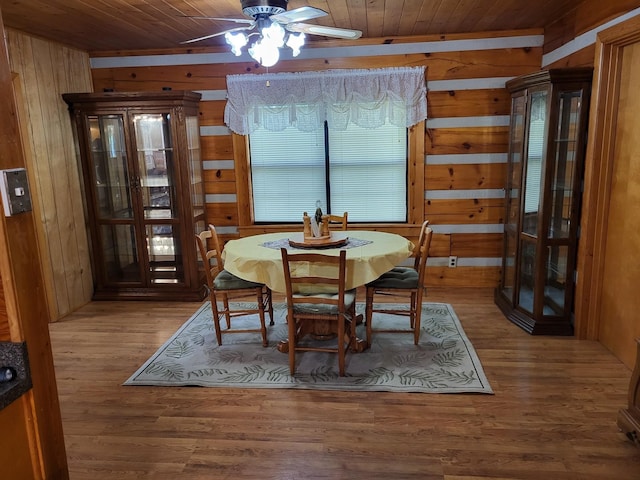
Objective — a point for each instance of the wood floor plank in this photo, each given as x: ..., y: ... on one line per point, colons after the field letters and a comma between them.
x: 553, y: 414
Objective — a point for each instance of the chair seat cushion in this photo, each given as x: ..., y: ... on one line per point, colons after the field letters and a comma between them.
x: 228, y: 281
x: 401, y: 270
x: 324, y: 309
x: 396, y: 279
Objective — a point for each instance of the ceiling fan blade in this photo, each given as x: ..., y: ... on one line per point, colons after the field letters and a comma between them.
x: 236, y: 20
x: 334, y: 32
x: 298, y: 15
x: 238, y: 29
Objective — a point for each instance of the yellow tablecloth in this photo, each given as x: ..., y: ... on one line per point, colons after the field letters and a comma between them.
x: 249, y: 259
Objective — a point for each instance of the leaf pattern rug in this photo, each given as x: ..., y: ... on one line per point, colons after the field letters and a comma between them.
x: 443, y: 362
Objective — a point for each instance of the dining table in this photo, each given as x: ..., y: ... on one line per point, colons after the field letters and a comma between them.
x: 257, y: 258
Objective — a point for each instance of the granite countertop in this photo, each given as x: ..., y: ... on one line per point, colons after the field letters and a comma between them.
x: 14, y: 355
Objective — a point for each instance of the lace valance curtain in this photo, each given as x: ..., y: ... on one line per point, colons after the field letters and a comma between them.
x: 367, y: 98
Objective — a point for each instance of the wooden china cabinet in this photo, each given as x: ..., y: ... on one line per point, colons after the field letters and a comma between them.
x: 549, y: 113
x: 140, y: 155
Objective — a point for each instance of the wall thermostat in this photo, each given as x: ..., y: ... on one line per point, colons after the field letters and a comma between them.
x: 15, y: 191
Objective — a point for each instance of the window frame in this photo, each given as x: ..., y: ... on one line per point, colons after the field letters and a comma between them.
x: 415, y: 184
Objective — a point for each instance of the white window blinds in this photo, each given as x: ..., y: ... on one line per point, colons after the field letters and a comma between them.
x: 363, y: 172
x: 368, y: 173
x: 288, y: 173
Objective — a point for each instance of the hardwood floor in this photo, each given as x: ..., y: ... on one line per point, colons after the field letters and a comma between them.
x: 553, y: 415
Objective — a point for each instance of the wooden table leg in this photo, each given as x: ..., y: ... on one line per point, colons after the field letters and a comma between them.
x: 322, y: 331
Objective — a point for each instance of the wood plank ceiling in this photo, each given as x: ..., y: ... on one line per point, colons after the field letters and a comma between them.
x: 110, y: 25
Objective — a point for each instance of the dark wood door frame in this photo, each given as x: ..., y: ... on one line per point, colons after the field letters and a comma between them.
x: 598, y: 173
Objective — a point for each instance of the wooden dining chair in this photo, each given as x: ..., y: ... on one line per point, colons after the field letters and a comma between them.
x: 405, y: 283
x: 316, y: 293
x: 339, y: 220
x: 416, y: 250
x: 224, y: 286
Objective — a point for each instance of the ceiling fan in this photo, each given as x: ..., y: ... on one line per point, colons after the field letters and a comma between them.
x: 275, y: 27
x: 260, y: 11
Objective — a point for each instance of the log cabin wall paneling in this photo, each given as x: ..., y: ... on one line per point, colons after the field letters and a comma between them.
x: 464, y: 84
x: 465, y: 139
x: 570, y: 40
x: 43, y: 71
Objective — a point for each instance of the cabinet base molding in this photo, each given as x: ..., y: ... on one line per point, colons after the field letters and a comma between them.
x: 156, y: 296
x: 629, y: 424
x: 629, y: 418
x: 529, y: 324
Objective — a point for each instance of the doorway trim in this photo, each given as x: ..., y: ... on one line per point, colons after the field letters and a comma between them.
x: 598, y: 174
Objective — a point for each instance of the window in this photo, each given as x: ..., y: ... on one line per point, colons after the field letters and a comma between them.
x: 376, y: 175
x: 358, y: 170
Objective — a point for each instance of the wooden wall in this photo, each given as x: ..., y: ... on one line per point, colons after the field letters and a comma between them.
x: 465, y: 140
x: 577, y: 26
x: 31, y: 427
x: 42, y: 72
x: 5, y: 334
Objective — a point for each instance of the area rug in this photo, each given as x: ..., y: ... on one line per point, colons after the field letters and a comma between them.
x: 443, y: 362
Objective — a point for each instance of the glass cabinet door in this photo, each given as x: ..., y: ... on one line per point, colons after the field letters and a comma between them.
x: 114, y: 211
x: 196, y: 182
x: 513, y: 188
x: 157, y: 184
x: 563, y: 197
x: 111, y: 169
x: 532, y: 197
x: 534, y: 165
x: 563, y: 179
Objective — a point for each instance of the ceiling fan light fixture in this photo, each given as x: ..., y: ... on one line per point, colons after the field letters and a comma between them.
x: 265, y: 52
x: 237, y: 41
x: 275, y: 27
x: 274, y: 34
x: 294, y: 42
